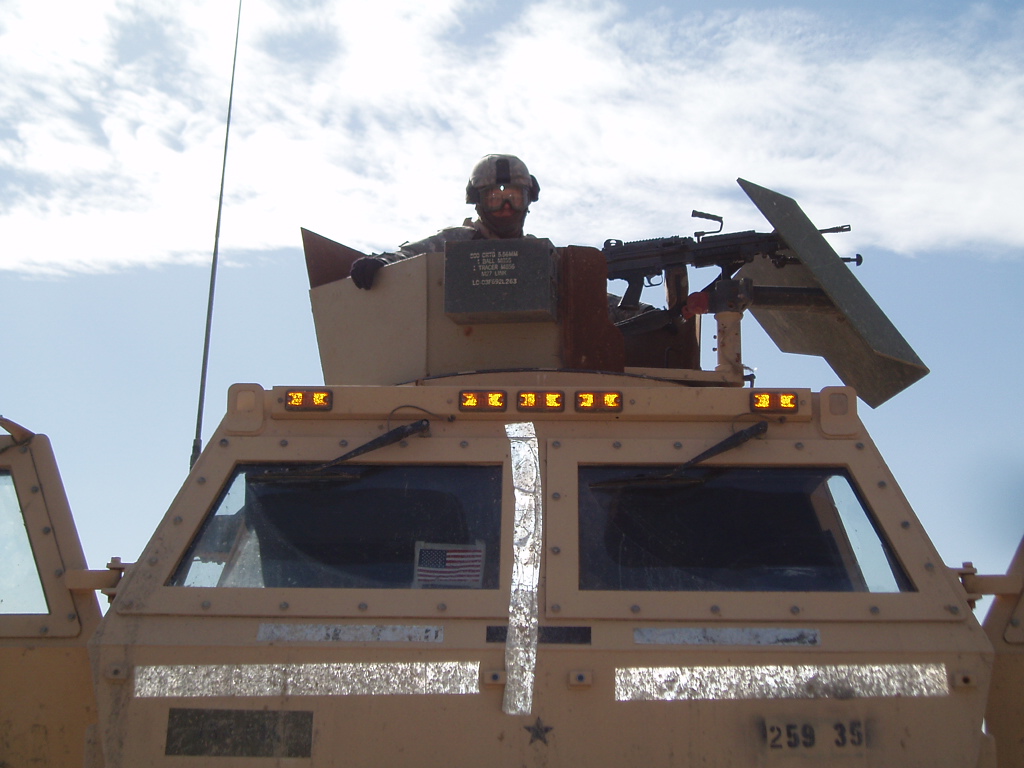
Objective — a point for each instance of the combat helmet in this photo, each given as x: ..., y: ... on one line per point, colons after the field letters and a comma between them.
x: 500, y: 170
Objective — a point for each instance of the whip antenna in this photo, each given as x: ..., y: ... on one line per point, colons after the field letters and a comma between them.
x: 197, y: 443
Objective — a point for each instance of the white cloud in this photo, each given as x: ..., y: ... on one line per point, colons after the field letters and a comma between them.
x: 361, y: 120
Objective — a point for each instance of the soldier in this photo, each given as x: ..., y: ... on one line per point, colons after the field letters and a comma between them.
x: 502, y: 189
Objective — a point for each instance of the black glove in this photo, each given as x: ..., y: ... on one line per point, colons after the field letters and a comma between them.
x: 364, y: 269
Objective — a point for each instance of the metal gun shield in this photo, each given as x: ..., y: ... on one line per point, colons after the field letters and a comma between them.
x: 853, y: 335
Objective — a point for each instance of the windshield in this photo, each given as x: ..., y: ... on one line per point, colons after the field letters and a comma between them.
x: 366, y: 526
x: 729, y: 528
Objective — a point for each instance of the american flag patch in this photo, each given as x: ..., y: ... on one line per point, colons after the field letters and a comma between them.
x: 452, y: 565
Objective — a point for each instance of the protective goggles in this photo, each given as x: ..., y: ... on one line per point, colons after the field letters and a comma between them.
x: 492, y: 198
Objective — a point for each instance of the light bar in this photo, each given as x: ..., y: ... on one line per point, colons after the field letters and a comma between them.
x: 489, y: 401
x: 540, y: 401
x: 774, y: 402
x: 598, y: 402
x: 308, y: 400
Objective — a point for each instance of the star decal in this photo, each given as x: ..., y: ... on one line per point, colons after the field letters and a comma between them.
x: 538, y: 731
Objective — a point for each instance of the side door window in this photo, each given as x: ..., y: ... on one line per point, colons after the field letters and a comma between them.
x: 21, y: 589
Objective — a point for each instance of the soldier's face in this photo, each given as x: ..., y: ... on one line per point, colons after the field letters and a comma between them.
x: 505, y: 221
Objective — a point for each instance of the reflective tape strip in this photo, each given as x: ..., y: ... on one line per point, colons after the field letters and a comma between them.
x: 385, y: 679
x: 725, y: 636
x: 523, y: 613
x: 349, y: 633
x: 841, y: 681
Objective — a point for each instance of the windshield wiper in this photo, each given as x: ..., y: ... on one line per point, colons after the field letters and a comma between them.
x: 304, y: 472
x: 732, y: 441
x: 388, y: 438
x: 679, y: 474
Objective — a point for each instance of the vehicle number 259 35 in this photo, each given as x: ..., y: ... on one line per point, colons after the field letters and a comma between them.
x: 815, y: 736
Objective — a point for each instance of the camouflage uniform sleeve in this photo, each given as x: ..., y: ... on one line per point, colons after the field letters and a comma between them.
x: 432, y: 244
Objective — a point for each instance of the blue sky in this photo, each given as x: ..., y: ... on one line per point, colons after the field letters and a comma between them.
x: 360, y: 121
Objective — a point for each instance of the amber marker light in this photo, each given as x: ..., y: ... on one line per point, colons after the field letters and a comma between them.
x: 308, y: 400
x: 534, y: 402
x: 598, y: 402
x: 482, y: 400
x: 774, y: 402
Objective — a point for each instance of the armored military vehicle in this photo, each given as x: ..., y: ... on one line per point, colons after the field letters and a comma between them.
x: 509, y: 532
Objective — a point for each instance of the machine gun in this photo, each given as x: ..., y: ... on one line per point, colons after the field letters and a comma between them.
x: 814, y: 306
x: 639, y: 261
